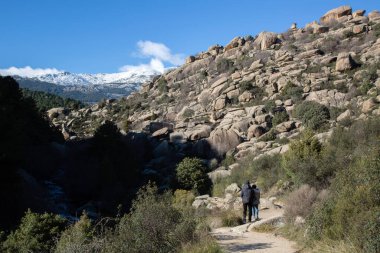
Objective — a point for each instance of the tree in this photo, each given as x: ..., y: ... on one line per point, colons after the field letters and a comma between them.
x: 192, y: 175
x: 36, y: 233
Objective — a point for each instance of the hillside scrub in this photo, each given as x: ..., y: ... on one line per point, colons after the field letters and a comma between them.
x: 349, y: 212
x: 152, y: 225
x: 312, y: 114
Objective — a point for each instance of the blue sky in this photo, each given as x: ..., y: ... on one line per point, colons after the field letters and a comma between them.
x: 93, y: 36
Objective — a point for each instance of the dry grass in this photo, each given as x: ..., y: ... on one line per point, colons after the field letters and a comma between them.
x: 265, y: 228
x: 300, y: 202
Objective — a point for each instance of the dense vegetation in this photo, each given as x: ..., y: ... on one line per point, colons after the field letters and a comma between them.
x: 45, y: 101
x: 154, y: 224
x: 335, y: 186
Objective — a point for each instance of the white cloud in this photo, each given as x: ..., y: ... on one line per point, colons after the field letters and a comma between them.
x: 154, y: 65
x: 158, y: 54
x: 28, y: 71
x: 159, y: 51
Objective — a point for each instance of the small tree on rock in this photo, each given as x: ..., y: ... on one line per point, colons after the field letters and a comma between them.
x: 192, y: 175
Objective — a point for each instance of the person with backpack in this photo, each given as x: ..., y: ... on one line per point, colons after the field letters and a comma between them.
x: 247, y: 198
x: 255, y: 202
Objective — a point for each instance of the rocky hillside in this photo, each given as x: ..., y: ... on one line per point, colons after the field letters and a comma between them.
x: 242, y: 98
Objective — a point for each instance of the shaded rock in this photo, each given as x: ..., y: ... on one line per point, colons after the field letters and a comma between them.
x: 190, y: 59
x: 218, y: 174
x: 358, y: 13
x: 359, y: 28
x: 163, y: 132
x: 246, y: 96
x: 162, y: 149
x: 255, y: 131
x: 321, y: 29
x: 199, y: 132
x: 177, y: 137
x: 286, y: 126
x: 345, y: 115
x: 222, y: 140
x: 235, y: 42
x: 56, y: 112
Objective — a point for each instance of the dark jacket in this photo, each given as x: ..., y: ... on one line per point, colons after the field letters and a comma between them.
x: 256, y: 196
x: 246, y: 194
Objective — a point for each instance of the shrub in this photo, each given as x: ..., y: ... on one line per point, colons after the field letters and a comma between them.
x: 264, y: 228
x: 312, y: 114
x: 225, y: 65
x: 280, y: 117
x: 269, y: 136
x: 188, y: 113
x: 245, y: 86
x: 228, y: 160
x: 300, y: 202
x: 162, y: 85
x: 302, y: 161
x: 79, y: 237
x: 183, y: 199
x: 153, y: 225
x: 351, y: 212
x: 231, y: 219
x: 192, y: 175
x: 269, y: 106
x: 292, y: 91
x: 36, y: 233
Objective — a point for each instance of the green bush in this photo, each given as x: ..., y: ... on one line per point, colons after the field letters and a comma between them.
x: 183, y: 199
x: 162, y: 85
x: 312, y: 114
x: 280, y: 117
x: 153, y: 225
x: 36, y: 233
x: 302, y: 161
x: 352, y: 211
x: 292, y: 91
x: 245, y: 86
x: 269, y: 136
x: 79, y: 237
x: 188, y: 113
x: 192, y: 175
x: 228, y: 160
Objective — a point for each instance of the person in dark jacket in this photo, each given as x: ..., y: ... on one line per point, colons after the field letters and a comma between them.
x: 247, y: 198
x: 255, y: 202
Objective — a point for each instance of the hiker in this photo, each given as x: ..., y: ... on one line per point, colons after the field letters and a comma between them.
x: 246, y: 196
x: 255, y: 202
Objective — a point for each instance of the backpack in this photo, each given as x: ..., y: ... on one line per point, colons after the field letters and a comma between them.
x: 246, y: 194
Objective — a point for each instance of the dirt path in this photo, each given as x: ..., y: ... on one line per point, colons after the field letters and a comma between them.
x: 242, y: 239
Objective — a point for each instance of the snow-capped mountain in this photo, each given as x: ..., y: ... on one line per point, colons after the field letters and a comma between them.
x: 120, y: 80
x: 88, y: 87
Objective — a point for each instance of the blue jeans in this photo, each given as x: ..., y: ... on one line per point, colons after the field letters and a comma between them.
x: 255, y: 211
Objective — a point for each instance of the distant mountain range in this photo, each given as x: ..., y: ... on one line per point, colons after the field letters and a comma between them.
x: 88, y: 88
